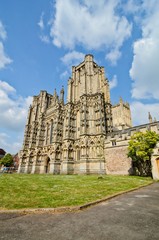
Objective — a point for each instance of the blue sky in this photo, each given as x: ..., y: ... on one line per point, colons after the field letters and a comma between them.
x: 40, y: 40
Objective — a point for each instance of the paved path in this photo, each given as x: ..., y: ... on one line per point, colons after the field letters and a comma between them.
x: 132, y: 216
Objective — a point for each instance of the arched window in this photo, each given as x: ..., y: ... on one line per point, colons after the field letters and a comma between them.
x: 47, y: 165
x: 51, y: 132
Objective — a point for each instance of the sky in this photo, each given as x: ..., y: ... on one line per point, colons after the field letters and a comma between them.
x: 41, y: 40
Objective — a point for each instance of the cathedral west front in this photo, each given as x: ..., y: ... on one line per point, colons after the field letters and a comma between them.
x: 75, y: 137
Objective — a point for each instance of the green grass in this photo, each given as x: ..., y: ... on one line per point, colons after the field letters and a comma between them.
x: 19, y: 191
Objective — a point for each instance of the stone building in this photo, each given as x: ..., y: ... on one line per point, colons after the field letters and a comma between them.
x: 121, y: 115
x: 116, y: 148
x: 76, y: 137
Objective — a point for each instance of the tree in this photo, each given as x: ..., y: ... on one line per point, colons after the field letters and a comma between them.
x: 140, y: 149
x: 7, y: 160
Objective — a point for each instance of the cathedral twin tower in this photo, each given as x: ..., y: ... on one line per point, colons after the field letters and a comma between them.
x: 70, y: 138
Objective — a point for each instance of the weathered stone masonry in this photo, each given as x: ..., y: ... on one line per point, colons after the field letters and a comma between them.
x: 76, y: 137
x: 116, y: 149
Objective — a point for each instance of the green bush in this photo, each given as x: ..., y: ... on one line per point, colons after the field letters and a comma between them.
x: 7, y: 160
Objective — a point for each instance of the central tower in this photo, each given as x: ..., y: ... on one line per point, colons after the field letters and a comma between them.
x: 87, y: 78
x: 88, y: 117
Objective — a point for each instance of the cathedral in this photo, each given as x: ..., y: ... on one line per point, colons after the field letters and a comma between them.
x: 79, y: 136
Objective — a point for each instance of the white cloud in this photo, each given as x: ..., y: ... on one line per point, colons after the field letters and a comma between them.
x: 132, y: 6
x: 10, y: 145
x: 114, y: 82
x: 72, y: 58
x: 4, y: 59
x: 64, y: 75
x: 4, y: 86
x: 45, y: 39
x: 113, y: 56
x: 41, y: 21
x: 140, y: 112
x: 144, y: 70
x: 13, y: 108
x: 92, y: 24
x: 3, y: 33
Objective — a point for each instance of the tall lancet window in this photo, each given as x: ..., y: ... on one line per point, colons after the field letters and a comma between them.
x: 51, y: 131
x: 37, y: 109
x: 29, y: 115
x: 46, y: 133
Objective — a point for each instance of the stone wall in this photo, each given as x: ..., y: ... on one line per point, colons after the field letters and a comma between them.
x: 117, y: 161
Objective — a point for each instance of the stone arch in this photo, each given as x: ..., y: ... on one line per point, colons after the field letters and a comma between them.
x: 83, y: 148
x: 92, y: 149
x: 39, y: 152
x: 47, y: 165
x: 58, y: 153
x: 24, y: 158
x: 64, y: 151
x: 70, y: 152
x: 30, y: 162
x: 31, y: 154
x: 51, y: 130
x: 78, y: 152
x: 23, y: 163
x: 31, y: 157
x: 82, y: 144
x: 99, y: 148
x: 39, y: 157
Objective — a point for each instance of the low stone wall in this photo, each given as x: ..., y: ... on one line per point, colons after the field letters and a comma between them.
x: 117, y: 161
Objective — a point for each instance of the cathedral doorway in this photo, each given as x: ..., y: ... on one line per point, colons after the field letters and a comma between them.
x: 47, y: 165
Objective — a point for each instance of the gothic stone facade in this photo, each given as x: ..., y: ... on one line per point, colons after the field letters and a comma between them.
x: 72, y: 138
x: 121, y: 115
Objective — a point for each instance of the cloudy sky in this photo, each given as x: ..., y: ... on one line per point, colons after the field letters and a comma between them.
x: 40, y: 40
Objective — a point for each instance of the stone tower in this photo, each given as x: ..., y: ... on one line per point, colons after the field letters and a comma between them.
x: 69, y: 138
x: 121, y: 115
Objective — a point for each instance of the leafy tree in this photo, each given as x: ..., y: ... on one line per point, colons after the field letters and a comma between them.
x: 140, y: 150
x: 7, y: 160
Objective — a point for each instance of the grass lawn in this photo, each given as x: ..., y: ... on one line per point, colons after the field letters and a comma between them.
x: 19, y: 191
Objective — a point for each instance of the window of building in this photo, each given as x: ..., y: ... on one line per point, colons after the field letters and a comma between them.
x: 114, y: 143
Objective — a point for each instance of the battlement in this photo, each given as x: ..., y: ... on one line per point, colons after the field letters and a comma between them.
x: 121, y: 137
x: 121, y: 115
